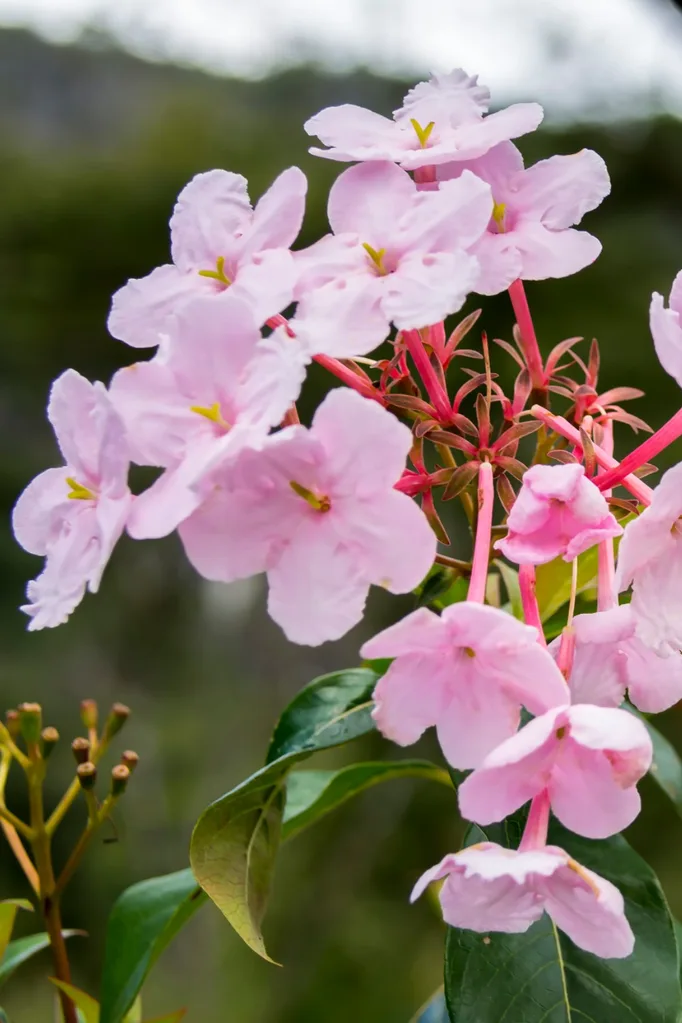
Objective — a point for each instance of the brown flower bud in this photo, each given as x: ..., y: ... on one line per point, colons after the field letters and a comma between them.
x: 118, y: 715
x: 81, y: 750
x: 12, y: 722
x: 31, y: 722
x: 87, y: 775
x: 49, y: 737
x: 89, y: 714
x: 130, y: 759
x: 119, y: 779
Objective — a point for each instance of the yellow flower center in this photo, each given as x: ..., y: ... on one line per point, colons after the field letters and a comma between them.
x: 78, y: 492
x: 499, y: 210
x: 211, y: 412
x: 377, y: 257
x: 218, y: 274
x: 422, y: 133
x: 320, y: 502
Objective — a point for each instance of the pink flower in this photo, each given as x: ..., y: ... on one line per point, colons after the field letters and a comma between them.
x: 531, y: 235
x: 440, y: 120
x: 587, y: 758
x: 317, y: 511
x: 73, y: 516
x: 403, y: 249
x: 666, y: 329
x: 610, y: 658
x: 218, y: 241
x: 489, y: 888
x: 214, y: 386
x: 467, y: 672
x: 558, y: 511
x: 650, y: 559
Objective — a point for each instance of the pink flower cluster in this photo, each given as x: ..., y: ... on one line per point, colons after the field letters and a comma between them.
x: 438, y: 205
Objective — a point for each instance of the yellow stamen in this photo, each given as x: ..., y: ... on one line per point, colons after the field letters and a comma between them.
x: 377, y: 257
x: 561, y: 732
x: 78, y: 492
x: 218, y: 274
x: 211, y: 412
x: 499, y: 210
x: 422, y: 133
x: 320, y: 502
x: 469, y: 651
x: 581, y: 872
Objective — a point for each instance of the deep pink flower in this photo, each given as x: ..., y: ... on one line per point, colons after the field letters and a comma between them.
x: 73, y: 516
x: 317, y: 511
x: 666, y: 329
x: 558, y: 511
x: 531, y: 235
x: 404, y: 249
x: 489, y: 888
x: 440, y: 120
x: 218, y: 241
x: 468, y: 672
x: 610, y: 658
x: 587, y: 758
x: 214, y: 386
x: 650, y: 560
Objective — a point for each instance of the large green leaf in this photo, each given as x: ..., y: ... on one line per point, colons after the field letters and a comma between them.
x: 18, y: 951
x: 234, y: 844
x: 143, y: 922
x: 666, y: 767
x: 8, y: 912
x: 542, y: 977
x: 312, y: 794
x: 435, y: 1010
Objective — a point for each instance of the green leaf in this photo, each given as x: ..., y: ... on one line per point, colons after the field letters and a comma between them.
x: 435, y: 1010
x: 174, y: 1017
x: 330, y: 711
x: 312, y: 794
x: 542, y: 977
x: 134, y: 1014
x: 18, y: 951
x: 235, y: 841
x: 143, y: 922
x: 666, y: 767
x: 510, y: 578
x: 4, y: 1018
x: 442, y: 586
x: 8, y: 912
x: 87, y: 1006
x: 553, y: 581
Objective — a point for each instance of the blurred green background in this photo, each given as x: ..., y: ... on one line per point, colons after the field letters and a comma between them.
x: 95, y: 146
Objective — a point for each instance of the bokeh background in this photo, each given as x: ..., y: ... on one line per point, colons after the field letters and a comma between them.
x: 104, y: 115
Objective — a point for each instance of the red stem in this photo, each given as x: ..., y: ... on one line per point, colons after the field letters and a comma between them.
x: 535, y: 832
x: 559, y: 425
x: 651, y: 447
x: 529, y: 341
x: 348, y: 377
x: 484, y: 522
x: 606, y: 571
x: 531, y: 611
x: 434, y: 388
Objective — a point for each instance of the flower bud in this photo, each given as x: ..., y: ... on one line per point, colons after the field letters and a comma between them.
x: 87, y: 775
x: 12, y: 722
x: 118, y: 715
x: 81, y: 750
x: 119, y: 779
x: 89, y: 714
x: 49, y: 737
x: 31, y: 722
x: 130, y: 759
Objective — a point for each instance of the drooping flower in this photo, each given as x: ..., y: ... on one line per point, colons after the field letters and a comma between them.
x: 558, y: 512
x: 440, y: 120
x: 217, y: 242
x: 587, y: 758
x: 468, y: 672
x: 317, y: 511
x: 531, y: 234
x: 610, y: 658
x: 490, y: 888
x: 408, y: 248
x: 214, y: 386
x: 666, y: 329
x: 73, y: 515
x: 650, y: 560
